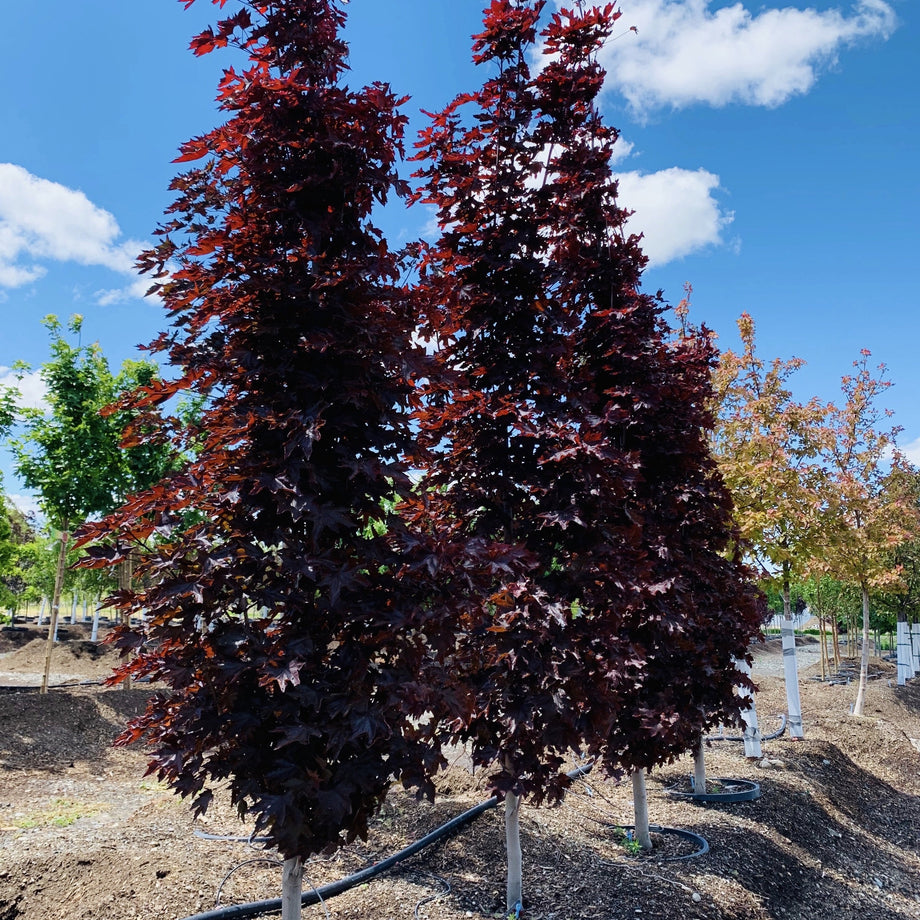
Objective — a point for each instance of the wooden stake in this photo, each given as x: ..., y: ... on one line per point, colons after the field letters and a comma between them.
x: 55, y: 604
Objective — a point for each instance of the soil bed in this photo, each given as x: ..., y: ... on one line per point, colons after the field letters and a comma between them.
x: 84, y: 834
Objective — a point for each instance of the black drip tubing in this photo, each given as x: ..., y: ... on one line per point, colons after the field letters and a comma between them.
x: 316, y: 895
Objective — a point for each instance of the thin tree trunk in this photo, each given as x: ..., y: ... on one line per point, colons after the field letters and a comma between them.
x: 790, y: 665
x: 860, y: 703
x: 515, y: 886
x: 125, y: 583
x: 836, y: 635
x: 699, y: 769
x: 291, y: 888
x: 41, y: 612
x: 640, y: 808
x: 55, y: 604
x: 822, y: 631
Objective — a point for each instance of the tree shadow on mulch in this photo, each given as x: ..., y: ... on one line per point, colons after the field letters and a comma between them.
x: 879, y: 809
x: 909, y: 696
x: 806, y: 884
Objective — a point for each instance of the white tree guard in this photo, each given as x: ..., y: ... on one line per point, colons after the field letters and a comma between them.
x: 94, y: 636
x: 791, y: 671
x: 915, y: 646
x: 905, y: 653
x: 752, y: 748
x: 73, y: 611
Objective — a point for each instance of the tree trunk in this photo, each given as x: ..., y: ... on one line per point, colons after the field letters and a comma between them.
x: 125, y: 583
x: 41, y: 611
x: 752, y: 749
x: 640, y: 808
x: 835, y: 631
x: 291, y: 888
x: 905, y: 653
x: 822, y: 632
x: 790, y: 667
x: 55, y: 603
x: 699, y: 769
x: 860, y: 703
x: 515, y: 886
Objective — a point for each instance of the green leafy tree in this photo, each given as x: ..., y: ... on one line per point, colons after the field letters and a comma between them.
x: 70, y: 454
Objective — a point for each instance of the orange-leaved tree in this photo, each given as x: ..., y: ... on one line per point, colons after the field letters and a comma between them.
x: 865, y: 518
x: 768, y: 447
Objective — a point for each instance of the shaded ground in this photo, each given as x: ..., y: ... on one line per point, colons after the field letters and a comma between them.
x: 835, y: 835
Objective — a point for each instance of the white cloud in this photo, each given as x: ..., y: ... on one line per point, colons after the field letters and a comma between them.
x: 137, y: 290
x: 27, y: 504
x: 912, y: 452
x: 42, y: 221
x: 31, y: 387
x: 675, y: 210
x: 685, y: 52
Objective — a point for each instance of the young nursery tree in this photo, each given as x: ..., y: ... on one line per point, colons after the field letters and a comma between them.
x: 866, y: 517
x: 279, y: 614
x: 768, y: 448
x: 69, y: 454
x: 565, y: 454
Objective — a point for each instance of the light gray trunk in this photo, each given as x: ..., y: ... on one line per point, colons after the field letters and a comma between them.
x: 752, y: 749
x: 55, y: 606
x: 41, y: 612
x: 860, y: 703
x: 905, y: 653
x: 515, y: 886
x: 291, y: 888
x: 699, y: 769
x: 73, y: 610
x: 640, y: 807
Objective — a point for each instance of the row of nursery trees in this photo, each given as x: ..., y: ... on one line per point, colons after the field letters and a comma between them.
x: 823, y: 498
x: 561, y: 572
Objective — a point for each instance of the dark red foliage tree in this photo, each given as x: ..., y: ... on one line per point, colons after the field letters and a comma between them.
x: 276, y: 611
x: 564, y: 433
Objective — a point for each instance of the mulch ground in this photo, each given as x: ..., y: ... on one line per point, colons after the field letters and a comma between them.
x: 835, y: 834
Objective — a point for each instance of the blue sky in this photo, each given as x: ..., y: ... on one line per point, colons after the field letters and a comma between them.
x: 770, y: 154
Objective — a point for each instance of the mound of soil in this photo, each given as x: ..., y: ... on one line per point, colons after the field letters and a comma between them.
x: 72, y: 660
x: 83, y: 834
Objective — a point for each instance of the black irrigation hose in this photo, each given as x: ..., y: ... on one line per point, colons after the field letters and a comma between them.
x: 748, y: 792
x: 258, y: 908
x: 771, y: 737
